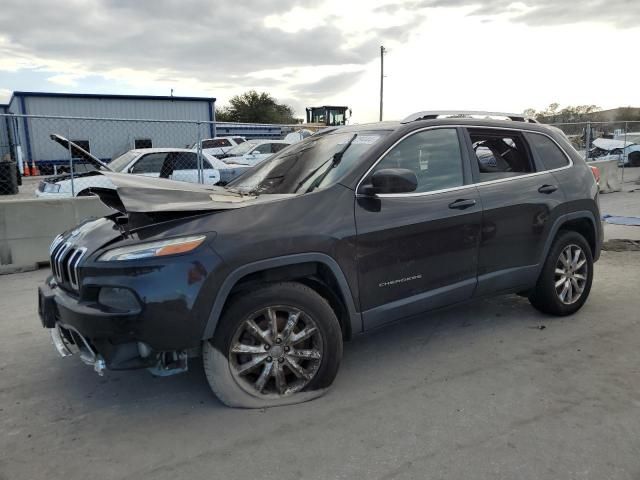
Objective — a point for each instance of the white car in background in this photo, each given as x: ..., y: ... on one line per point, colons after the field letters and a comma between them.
x: 627, y: 153
x: 219, y: 145
x: 172, y: 163
x: 253, y: 151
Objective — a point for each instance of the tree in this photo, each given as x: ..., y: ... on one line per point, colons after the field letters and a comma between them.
x: 254, y: 107
x: 222, y: 115
x: 551, y: 114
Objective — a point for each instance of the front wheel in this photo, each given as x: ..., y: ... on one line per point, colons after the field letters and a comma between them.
x: 565, y: 281
x: 276, y: 345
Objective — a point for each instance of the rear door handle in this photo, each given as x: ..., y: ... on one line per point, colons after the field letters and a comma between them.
x: 547, y: 189
x: 462, y: 203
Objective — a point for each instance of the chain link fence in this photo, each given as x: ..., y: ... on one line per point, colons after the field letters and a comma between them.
x: 619, y: 141
x: 37, y: 159
x: 58, y: 156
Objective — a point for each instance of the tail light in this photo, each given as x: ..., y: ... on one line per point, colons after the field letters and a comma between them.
x: 596, y: 174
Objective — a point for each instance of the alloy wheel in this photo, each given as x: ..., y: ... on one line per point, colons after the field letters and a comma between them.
x: 571, y: 273
x: 275, y: 352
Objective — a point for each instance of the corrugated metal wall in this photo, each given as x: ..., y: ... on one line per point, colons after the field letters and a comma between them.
x: 118, y: 108
x: 5, y: 142
x: 108, y: 138
x: 224, y: 129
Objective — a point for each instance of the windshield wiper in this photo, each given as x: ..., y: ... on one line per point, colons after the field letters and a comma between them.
x: 335, y: 160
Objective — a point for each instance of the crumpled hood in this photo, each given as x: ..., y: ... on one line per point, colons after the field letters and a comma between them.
x: 142, y: 194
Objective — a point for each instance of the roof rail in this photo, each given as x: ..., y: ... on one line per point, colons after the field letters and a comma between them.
x: 432, y: 115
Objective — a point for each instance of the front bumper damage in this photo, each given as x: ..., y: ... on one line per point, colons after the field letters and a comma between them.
x: 69, y: 324
x: 67, y: 341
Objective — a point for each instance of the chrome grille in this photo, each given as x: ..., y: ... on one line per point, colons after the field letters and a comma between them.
x: 65, y: 258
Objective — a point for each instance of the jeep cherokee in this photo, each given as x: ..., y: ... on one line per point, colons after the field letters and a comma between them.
x: 351, y: 229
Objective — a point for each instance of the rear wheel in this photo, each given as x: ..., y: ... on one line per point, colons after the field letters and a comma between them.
x: 565, y: 281
x: 634, y: 159
x: 277, y: 345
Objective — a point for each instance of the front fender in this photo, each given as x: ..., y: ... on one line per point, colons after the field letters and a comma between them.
x: 234, y: 277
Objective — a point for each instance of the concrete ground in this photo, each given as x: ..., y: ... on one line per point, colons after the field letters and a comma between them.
x: 489, y: 390
x: 625, y: 203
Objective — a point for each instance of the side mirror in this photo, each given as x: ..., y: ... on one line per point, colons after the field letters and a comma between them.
x: 391, y: 180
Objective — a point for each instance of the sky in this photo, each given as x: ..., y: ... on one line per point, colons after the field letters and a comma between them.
x: 495, y: 55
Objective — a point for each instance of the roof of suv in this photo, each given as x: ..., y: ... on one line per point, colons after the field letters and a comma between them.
x: 475, y: 122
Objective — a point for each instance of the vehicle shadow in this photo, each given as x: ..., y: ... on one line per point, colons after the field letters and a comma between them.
x: 367, y: 358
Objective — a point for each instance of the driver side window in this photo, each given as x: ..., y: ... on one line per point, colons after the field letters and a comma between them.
x: 433, y: 155
x: 499, y: 155
x: 263, y: 149
x: 150, y: 163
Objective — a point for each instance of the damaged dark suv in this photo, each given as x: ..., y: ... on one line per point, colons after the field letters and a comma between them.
x: 348, y: 230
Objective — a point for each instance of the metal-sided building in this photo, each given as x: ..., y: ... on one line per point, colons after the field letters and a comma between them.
x: 108, y: 125
x: 5, y: 145
x: 103, y: 137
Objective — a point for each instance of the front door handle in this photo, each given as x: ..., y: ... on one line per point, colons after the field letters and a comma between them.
x: 547, y: 189
x: 462, y: 203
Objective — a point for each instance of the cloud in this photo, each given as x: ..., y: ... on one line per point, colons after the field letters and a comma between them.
x: 619, y: 13
x: 299, y: 49
x: 5, y: 95
x: 328, y: 85
x: 200, y: 43
x: 196, y: 39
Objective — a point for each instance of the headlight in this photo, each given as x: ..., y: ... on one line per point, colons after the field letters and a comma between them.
x: 51, y: 188
x: 153, y: 249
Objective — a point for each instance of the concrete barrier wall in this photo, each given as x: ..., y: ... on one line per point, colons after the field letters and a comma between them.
x: 27, y: 228
x: 609, y: 175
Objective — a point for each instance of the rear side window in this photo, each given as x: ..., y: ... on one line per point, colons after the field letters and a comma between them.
x: 550, y: 154
x: 276, y: 147
x: 238, y: 140
x: 433, y: 155
x: 500, y: 155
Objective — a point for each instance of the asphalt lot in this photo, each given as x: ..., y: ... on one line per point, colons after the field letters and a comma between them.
x: 480, y: 391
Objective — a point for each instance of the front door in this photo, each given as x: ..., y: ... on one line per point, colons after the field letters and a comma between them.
x: 418, y: 251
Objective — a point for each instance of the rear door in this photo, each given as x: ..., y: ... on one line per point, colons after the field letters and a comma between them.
x: 518, y: 197
x: 418, y: 251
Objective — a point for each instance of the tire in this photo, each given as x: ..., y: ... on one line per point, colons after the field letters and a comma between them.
x: 548, y: 298
x: 298, y: 365
x: 634, y: 159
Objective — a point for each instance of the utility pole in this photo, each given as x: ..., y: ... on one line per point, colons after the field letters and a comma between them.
x: 382, y: 52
